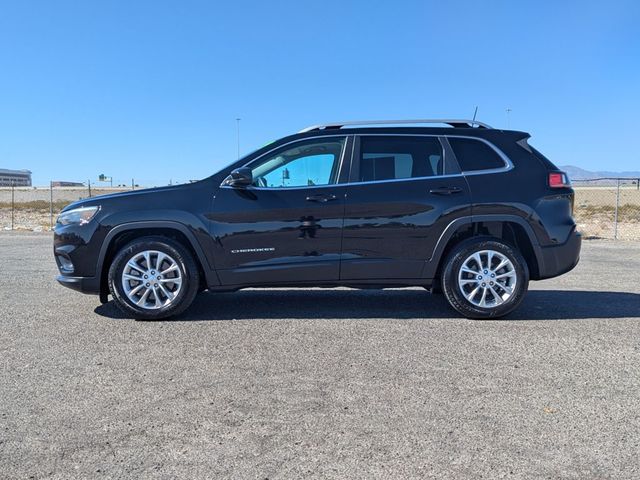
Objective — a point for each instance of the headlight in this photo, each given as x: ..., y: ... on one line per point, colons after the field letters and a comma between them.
x: 77, y: 216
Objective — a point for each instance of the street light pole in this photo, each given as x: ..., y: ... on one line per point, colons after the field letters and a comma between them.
x: 238, y: 135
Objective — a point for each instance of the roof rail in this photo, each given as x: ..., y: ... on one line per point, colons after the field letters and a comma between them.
x: 454, y: 123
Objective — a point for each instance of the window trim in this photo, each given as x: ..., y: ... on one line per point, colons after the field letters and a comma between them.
x: 347, y: 160
x: 341, y: 163
x: 447, y: 152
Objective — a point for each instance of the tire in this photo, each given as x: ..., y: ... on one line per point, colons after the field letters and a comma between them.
x: 167, y: 294
x: 509, y: 282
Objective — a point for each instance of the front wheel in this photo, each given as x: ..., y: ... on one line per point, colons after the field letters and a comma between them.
x: 153, y: 278
x: 485, y: 278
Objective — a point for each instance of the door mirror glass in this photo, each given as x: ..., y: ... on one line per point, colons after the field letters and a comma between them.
x: 240, y: 177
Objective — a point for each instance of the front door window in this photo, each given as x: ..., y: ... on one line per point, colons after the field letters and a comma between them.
x: 308, y: 164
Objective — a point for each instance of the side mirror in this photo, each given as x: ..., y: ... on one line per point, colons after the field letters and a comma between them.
x: 240, y: 177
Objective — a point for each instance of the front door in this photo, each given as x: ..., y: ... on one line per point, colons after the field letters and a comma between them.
x: 286, y: 227
x: 404, y: 191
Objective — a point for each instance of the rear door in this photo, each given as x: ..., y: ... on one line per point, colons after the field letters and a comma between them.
x: 403, y: 191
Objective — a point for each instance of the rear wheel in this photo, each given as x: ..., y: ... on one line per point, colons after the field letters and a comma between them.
x: 153, y: 278
x: 485, y: 278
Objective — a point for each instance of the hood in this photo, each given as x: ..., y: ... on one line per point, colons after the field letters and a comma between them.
x: 138, y: 194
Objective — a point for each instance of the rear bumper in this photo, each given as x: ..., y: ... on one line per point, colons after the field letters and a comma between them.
x: 81, y: 284
x: 559, y: 259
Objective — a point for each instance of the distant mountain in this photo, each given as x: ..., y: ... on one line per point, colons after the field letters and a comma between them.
x: 577, y: 173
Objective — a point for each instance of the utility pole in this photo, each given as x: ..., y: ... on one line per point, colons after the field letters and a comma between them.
x: 50, y: 205
x: 615, y: 219
x: 238, y: 135
x: 13, y: 186
x: 89, y: 185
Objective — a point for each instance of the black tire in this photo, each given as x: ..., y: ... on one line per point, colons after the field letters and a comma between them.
x: 183, y: 259
x: 451, y: 283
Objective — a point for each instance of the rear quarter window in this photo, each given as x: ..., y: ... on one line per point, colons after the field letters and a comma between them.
x: 475, y: 155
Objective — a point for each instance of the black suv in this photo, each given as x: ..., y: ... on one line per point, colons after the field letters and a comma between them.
x: 464, y: 209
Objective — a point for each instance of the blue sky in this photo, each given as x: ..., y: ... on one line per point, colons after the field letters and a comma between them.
x: 151, y: 89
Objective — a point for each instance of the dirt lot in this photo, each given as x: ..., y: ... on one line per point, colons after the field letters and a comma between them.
x: 321, y: 383
x: 35, y: 208
x: 595, y: 212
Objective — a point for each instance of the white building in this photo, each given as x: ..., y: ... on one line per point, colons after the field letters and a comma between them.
x: 18, y: 178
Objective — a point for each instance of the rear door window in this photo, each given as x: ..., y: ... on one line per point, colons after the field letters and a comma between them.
x: 474, y: 155
x: 398, y: 157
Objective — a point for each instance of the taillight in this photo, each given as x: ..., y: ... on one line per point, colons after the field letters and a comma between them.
x: 558, y: 180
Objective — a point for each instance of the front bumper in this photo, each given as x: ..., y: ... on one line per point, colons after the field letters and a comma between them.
x: 76, y: 249
x: 89, y: 285
x: 559, y: 259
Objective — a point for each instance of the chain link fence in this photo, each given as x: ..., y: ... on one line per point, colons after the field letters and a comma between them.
x: 36, y: 208
x: 608, y: 208
x: 604, y: 207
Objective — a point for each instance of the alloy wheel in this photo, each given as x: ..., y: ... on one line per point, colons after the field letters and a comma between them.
x: 487, y: 278
x: 151, y: 279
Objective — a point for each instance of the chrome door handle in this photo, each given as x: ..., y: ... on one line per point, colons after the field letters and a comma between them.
x: 321, y: 198
x: 445, y: 190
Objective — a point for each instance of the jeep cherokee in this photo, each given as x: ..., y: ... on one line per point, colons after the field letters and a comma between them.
x: 461, y: 208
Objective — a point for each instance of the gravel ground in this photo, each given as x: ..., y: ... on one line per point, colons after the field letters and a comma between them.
x: 321, y: 383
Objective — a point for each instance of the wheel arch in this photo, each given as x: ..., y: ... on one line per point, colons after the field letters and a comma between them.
x: 510, y: 228
x: 127, y: 232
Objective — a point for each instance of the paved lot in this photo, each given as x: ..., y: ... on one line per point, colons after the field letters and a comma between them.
x: 321, y: 383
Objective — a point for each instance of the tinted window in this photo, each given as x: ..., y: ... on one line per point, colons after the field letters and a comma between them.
x: 475, y: 155
x: 388, y: 158
x: 305, y: 164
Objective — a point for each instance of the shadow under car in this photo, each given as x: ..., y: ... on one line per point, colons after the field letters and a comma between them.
x: 393, y: 304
